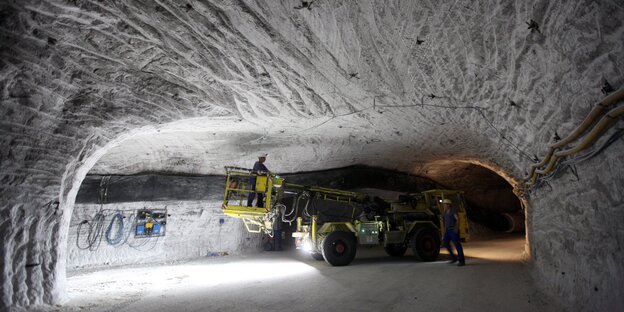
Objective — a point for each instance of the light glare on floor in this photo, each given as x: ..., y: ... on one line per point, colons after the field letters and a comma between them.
x: 194, y: 275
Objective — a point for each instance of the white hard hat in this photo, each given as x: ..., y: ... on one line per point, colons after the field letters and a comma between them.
x: 263, y: 155
x: 447, y: 201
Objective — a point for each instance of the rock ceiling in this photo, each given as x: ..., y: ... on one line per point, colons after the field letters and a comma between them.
x: 191, y: 86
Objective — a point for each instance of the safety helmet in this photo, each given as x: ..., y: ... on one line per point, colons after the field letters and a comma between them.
x: 263, y: 155
x: 447, y: 201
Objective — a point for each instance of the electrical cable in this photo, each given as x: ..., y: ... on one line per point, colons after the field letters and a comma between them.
x: 94, y: 236
x: 573, y: 161
x: 78, y: 235
x: 103, y: 191
x: 96, y: 225
x: 614, y: 137
x: 119, y: 235
x: 131, y: 227
x: 144, y: 243
x: 480, y: 110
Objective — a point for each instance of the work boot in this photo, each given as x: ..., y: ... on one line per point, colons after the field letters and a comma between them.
x: 461, y: 263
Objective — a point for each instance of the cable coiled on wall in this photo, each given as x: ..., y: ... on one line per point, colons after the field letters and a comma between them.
x: 94, y: 236
x: 119, y: 236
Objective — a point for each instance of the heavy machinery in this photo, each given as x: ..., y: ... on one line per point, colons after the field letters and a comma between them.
x: 330, y: 223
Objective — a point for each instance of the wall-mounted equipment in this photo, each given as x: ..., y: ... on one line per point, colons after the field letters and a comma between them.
x: 150, y: 222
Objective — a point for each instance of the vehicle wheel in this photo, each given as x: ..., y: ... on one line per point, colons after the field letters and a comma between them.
x: 339, y: 248
x: 426, y: 244
x: 395, y: 250
x: 317, y: 255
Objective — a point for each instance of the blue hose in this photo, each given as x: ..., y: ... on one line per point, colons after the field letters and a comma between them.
x: 118, y: 217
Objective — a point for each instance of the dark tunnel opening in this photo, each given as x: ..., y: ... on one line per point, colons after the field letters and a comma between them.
x: 492, y: 204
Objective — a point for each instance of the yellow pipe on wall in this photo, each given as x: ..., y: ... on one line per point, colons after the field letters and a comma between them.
x: 550, y: 160
x: 602, y: 125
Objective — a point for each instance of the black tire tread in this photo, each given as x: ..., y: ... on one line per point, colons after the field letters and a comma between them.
x: 416, y: 241
x: 350, y: 243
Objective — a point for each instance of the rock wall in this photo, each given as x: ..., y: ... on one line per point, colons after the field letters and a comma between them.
x: 576, y: 233
x: 194, y: 229
x: 394, y: 84
x: 196, y: 226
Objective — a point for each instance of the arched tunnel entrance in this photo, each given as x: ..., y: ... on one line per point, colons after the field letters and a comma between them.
x: 492, y: 202
x: 437, y: 89
x: 195, y: 228
x: 492, y: 207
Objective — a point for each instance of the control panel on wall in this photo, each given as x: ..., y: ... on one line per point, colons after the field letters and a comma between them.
x: 150, y: 222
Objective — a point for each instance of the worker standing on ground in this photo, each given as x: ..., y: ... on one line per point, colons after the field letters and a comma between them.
x: 451, y: 233
x: 258, y: 167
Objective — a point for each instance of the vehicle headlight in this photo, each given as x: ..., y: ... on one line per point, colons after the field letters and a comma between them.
x: 307, y: 246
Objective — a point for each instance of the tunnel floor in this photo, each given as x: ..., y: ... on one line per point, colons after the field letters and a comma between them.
x: 494, y: 279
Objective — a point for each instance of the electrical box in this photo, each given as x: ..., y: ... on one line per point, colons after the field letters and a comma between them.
x: 368, y: 233
x: 261, y: 184
x: 150, y: 222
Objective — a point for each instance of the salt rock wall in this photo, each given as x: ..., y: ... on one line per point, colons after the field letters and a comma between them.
x: 576, y: 233
x: 394, y: 84
x: 196, y: 226
x: 194, y: 229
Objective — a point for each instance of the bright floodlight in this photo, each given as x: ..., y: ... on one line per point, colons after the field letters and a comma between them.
x: 307, y: 246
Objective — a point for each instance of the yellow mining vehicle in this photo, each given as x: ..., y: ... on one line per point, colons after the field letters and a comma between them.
x: 330, y: 223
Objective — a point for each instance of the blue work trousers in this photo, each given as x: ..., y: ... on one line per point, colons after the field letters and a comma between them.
x: 252, y: 195
x: 277, y: 239
x: 451, y: 236
x: 259, y: 202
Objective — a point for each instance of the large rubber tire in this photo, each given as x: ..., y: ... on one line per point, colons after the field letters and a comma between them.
x: 395, y: 250
x: 317, y: 256
x: 339, y: 248
x: 426, y: 244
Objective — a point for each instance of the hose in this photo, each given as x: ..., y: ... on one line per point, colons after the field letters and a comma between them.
x: 119, y: 235
x: 131, y: 228
x: 305, y: 196
x: 551, y: 158
x: 569, y: 163
x: 94, y: 237
x: 590, y: 138
x: 290, y: 213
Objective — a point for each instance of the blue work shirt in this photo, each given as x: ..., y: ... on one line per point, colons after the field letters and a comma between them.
x: 258, y: 166
x: 450, y: 223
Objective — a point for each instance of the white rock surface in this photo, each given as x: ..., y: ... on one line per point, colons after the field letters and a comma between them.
x: 193, y: 230
x: 192, y: 86
x: 276, y: 281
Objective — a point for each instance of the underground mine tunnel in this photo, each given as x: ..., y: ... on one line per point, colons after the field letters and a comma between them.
x: 118, y: 119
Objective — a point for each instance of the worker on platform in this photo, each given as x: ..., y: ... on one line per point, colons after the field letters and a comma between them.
x: 451, y: 232
x: 258, y: 167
